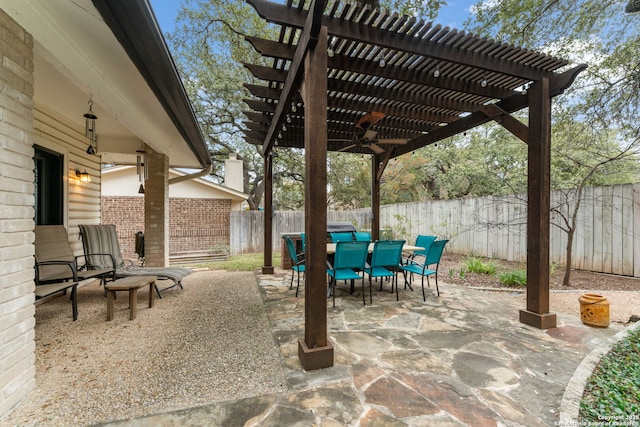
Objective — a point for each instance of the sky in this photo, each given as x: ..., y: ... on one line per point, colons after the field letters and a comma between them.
x: 453, y: 15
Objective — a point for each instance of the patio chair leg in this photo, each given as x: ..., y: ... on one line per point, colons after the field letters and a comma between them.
x: 333, y: 290
x: 291, y: 284
x: 364, y: 298
x: 395, y: 279
x: 298, y: 287
x: 437, y: 289
x: 424, y: 296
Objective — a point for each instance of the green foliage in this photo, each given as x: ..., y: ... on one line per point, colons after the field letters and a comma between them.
x: 402, y: 228
x: 612, y: 392
x: 478, y: 265
x: 244, y: 262
x: 349, y: 181
x: 514, y: 278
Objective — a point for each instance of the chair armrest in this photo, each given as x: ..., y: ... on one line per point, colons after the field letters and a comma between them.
x: 70, y: 264
x: 113, y: 262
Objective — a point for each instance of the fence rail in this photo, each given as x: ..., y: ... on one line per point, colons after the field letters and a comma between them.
x: 607, y: 235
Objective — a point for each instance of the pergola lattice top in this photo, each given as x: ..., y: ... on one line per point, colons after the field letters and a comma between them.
x: 429, y: 82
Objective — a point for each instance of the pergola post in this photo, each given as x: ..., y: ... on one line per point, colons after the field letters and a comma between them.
x: 538, y: 208
x: 267, y: 267
x: 375, y: 198
x: 315, y: 350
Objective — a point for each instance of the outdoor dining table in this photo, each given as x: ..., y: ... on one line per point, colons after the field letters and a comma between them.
x: 331, y: 248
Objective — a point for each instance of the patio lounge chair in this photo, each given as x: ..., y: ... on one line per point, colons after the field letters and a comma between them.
x: 57, y: 269
x: 104, y: 239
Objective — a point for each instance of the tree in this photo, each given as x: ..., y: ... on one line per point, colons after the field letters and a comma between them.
x: 209, y: 47
x: 596, y: 133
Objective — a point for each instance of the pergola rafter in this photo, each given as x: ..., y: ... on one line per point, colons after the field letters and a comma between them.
x: 335, y: 61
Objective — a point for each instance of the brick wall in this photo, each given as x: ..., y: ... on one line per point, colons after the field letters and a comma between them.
x: 194, y: 224
x: 17, y: 346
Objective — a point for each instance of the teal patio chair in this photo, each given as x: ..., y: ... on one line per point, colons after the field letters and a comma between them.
x: 362, y: 236
x: 422, y: 241
x: 433, y: 258
x: 341, y: 237
x: 350, y: 257
x: 297, y: 262
x: 385, y: 261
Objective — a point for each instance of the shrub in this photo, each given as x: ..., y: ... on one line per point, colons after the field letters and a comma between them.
x: 514, y: 278
x: 477, y: 265
x: 612, y: 392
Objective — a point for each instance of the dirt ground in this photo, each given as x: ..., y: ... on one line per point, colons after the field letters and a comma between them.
x: 451, y: 265
x: 622, y: 292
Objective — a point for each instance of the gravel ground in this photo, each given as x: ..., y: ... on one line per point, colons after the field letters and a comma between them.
x: 208, y: 342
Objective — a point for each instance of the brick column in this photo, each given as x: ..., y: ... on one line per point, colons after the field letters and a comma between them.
x: 17, y: 347
x: 156, y: 210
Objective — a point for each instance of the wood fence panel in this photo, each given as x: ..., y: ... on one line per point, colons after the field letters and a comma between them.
x: 607, y: 224
x: 617, y: 229
x: 598, y: 230
x: 636, y: 229
x: 578, y: 240
x: 607, y: 236
x: 627, y: 232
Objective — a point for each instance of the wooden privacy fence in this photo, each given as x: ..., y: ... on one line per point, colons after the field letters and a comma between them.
x: 607, y: 235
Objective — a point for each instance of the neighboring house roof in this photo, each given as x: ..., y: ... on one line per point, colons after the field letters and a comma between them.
x: 122, y: 181
x: 112, y: 51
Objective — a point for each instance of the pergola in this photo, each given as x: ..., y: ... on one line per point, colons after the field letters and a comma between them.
x: 337, y: 61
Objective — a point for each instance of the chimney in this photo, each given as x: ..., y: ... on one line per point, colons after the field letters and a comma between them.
x: 234, y: 173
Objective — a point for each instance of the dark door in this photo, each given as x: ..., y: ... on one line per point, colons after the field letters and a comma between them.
x: 49, y: 197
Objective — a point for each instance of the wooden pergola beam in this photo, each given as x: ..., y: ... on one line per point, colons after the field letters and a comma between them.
x: 308, y: 39
x: 557, y: 85
x: 284, y: 15
x: 344, y: 62
x: 510, y: 123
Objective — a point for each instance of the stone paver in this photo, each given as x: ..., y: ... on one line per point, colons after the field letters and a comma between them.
x: 461, y: 359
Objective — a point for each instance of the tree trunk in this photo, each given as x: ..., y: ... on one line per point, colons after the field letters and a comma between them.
x: 567, y: 269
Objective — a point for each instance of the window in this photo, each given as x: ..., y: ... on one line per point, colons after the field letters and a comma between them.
x: 49, y: 197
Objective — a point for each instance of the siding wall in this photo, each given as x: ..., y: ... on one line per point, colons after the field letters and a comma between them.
x: 607, y: 236
x: 17, y: 346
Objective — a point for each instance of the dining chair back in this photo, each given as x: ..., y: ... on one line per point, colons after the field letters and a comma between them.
x: 432, y: 259
x: 385, y: 261
x: 349, y: 259
x: 341, y: 236
x: 424, y: 242
x: 362, y: 236
x: 297, y: 262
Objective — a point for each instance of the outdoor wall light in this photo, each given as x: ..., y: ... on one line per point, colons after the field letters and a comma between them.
x: 83, y: 176
x: 483, y: 83
x: 436, y: 72
x: 90, y: 128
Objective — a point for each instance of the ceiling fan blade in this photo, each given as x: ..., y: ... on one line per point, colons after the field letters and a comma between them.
x: 376, y: 148
x: 340, y: 140
x: 396, y: 141
x: 347, y: 147
x: 369, y: 119
x: 370, y: 134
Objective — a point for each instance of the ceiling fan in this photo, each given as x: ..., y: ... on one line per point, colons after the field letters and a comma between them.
x: 365, y: 137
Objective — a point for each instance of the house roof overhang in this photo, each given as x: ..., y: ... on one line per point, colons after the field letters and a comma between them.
x: 113, y: 52
x: 429, y: 82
